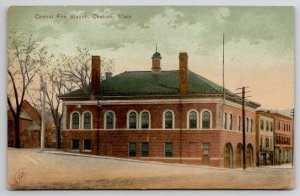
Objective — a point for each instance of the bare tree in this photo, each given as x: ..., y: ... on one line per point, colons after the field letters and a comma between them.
x: 57, y: 86
x: 78, y: 72
x: 25, y: 57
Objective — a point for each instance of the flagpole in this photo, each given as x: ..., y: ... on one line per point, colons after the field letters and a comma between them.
x: 223, y: 72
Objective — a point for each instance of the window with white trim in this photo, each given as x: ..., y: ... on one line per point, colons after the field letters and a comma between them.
x: 225, y: 120
x: 168, y: 119
x: 75, y: 120
x: 145, y: 119
x: 230, y: 121
x: 261, y: 124
x: 132, y: 118
x: 206, y: 120
x: 87, y: 120
x: 109, y: 120
x: 193, y: 119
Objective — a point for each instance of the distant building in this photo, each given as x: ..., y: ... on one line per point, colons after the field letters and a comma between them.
x: 30, y: 126
x: 265, y: 138
x: 170, y: 116
x: 283, y: 138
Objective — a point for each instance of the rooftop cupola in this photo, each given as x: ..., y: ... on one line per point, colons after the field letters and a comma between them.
x: 156, y: 62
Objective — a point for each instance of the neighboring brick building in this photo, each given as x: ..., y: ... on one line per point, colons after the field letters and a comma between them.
x: 265, y: 138
x: 30, y: 122
x: 283, y: 138
x: 170, y: 116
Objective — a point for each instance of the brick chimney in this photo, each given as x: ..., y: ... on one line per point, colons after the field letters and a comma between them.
x: 183, y: 73
x: 95, y: 75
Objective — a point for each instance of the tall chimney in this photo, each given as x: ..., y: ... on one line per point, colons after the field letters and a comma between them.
x: 183, y: 73
x: 95, y: 75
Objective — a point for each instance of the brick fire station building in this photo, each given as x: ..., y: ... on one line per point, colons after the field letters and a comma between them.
x: 170, y: 116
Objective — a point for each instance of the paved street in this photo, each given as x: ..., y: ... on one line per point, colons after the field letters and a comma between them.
x: 29, y: 169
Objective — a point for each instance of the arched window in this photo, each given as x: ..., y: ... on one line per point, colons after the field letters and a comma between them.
x: 193, y: 120
x: 87, y: 120
x: 168, y: 120
x: 247, y: 125
x: 145, y: 120
x: 75, y: 121
x: 109, y: 120
x: 225, y: 120
x: 132, y: 120
x: 205, y: 120
x: 251, y: 125
x: 230, y: 121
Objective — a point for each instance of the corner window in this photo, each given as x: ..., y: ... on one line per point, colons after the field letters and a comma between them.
x: 145, y: 120
x: 87, y: 120
x: 168, y: 120
x: 168, y: 149
x: 75, y: 144
x: 75, y: 120
x: 132, y: 149
x: 109, y: 120
x: 206, y: 120
x: 132, y: 120
x: 193, y: 120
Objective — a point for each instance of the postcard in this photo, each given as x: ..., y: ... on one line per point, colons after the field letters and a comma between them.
x: 150, y: 97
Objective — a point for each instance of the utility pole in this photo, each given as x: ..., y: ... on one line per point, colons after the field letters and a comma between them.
x: 243, y: 123
x: 43, y: 88
x: 292, y: 125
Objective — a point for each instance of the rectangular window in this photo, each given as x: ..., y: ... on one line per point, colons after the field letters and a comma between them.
x: 225, y: 120
x: 205, y: 153
x: 278, y: 125
x: 75, y: 144
x: 261, y: 124
x: 87, y: 145
x: 267, y: 143
x: 132, y: 149
x: 145, y: 149
x: 260, y: 142
x: 168, y: 149
x: 271, y: 126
